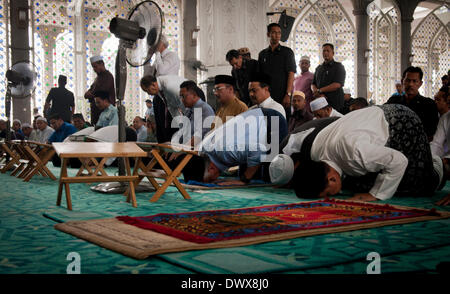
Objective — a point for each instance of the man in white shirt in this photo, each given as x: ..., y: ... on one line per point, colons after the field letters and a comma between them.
x: 383, y: 147
x: 166, y: 62
x: 320, y: 109
x: 259, y: 91
x: 141, y: 129
x: 441, y: 139
x: 43, y: 131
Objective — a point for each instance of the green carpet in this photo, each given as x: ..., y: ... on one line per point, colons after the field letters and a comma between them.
x: 30, y: 244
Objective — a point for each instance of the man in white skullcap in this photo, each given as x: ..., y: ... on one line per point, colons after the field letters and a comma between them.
x: 304, y: 80
x: 43, y: 131
x: 28, y: 131
x: 320, y: 109
x: 281, y: 169
x: 104, y: 82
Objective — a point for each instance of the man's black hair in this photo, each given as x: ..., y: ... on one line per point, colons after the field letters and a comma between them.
x: 360, y: 102
x: 329, y: 44
x: 232, y: 54
x: 413, y: 69
x: 56, y: 116
x: 270, y: 26
x: 102, y: 95
x: 310, y: 179
x: 147, y: 81
x: 78, y: 115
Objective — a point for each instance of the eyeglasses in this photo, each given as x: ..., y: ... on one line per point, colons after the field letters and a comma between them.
x: 216, y: 89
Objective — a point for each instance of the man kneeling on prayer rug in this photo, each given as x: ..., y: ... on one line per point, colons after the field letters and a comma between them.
x: 376, y: 152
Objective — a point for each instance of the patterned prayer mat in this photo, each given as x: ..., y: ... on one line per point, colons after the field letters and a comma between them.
x: 140, y: 237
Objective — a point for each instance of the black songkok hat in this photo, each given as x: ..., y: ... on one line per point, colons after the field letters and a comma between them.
x: 224, y: 79
x: 261, y: 77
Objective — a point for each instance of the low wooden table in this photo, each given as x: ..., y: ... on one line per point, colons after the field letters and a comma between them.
x: 89, y: 151
x: 37, y: 154
x: 170, y: 176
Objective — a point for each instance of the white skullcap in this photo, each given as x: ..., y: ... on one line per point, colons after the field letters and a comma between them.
x: 298, y: 93
x: 281, y: 169
x: 96, y: 58
x: 17, y: 120
x: 42, y: 119
x: 347, y: 91
x: 26, y: 125
x: 304, y: 57
x: 318, y: 103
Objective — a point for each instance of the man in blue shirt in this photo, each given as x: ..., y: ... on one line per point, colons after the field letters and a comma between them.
x: 109, y: 115
x: 244, y: 141
x: 62, y: 131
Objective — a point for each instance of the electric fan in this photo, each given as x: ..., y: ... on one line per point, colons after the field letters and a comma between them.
x: 139, y: 36
x: 21, y: 79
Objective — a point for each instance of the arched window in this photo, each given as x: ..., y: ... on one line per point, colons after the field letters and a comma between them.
x: 384, y: 44
x: 66, y: 38
x: 319, y: 22
x: 430, y: 47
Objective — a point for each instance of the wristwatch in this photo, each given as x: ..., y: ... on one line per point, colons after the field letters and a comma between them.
x: 318, y: 91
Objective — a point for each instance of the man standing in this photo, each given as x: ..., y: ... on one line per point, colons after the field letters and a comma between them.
x: 166, y: 102
x: 61, y: 99
x: 278, y: 62
x: 103, y: 82
x: 424, y: 107
x: 230, y: 105
x: 166, y: 61
x: 260, y: 93
x: 329, y: 79
x: 109, y: 115
x: 242, y: 70
x: 303, y: 82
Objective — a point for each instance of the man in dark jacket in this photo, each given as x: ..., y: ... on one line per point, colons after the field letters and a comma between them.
x: 424, y: 107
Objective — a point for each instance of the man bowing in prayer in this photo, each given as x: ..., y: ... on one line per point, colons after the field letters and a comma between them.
x: 103, y: 82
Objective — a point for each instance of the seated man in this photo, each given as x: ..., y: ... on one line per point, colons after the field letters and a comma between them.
x: 197, y: 111
x: 79, y: 122
x: 62, y: 131
x: 300, y: 115
x: 382, y: 150
x: 3, y: 125
x: 230, y: 105
x: 440, y: 144
x: 254, y: 131
x: 28, y: 131
x: 141, y: 129
x: 109, y: 115
x: 17, y: 128
x: 321, y: 108
x: 259, y: 90
x: 43, y: 131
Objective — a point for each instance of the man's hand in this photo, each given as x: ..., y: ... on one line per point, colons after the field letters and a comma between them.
x: 286, y: 101
x: 444, y: 201
x: 367, y: 197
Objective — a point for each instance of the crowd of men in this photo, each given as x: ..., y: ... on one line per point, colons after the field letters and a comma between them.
x: 306, y: 132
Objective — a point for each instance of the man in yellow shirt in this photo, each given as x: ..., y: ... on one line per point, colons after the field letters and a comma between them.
x: 230, y: 105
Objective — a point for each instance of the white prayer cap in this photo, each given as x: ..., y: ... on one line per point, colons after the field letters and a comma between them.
x: 304, y: 57
x: 347, y: 91
x: 298, y: 93
x: 42, y: 119
x: 17, y: 120
x: 26, y: 125
x: 96, y: 58
x: 281, y: 169
x: 318, y: 103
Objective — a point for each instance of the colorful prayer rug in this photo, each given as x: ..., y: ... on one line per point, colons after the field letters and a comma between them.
x: 220, y: 225
x: 226, y: 228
